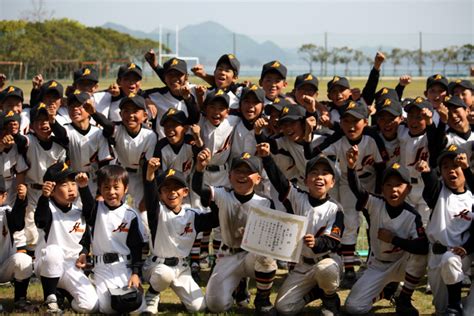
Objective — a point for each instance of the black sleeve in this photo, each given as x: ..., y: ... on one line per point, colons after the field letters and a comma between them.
x: 152, y: 204
x: 379, y: 169
x: 325, y: 243
x: 436, y: 141
x: 432, y: 188
x: 16, y: 218
x: 135, y: 244
x: 399, y: 88
x: 34, y: 97
x: 160, y: 72
x: 334, y: 137
x: 207, y: 221
x: 262, y: 138
x: 469, y: 244
x: 419, y: 245
x: 193, y: 111
x: 360, y: 193
x: 60, y: 134
x: 43, y: 216
x: 469, y: 178
x: 277, y: 178
x: 107, y: 125
x: 204, y: 191
x: 368, y: 93
x: 85, y: 241
x: 89, y: 205
x: 21, y: 143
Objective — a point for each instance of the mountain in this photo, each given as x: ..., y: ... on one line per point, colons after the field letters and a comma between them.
x: 209, y: 40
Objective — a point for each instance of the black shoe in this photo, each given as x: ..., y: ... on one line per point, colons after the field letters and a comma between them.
x: 263, y: 306
x: 404, y: 307
x: 331, y: 305
x: 196, y: 273
x: 241, y: 295
x: 390, y: 290
x: 454, y: 311
x: 349, y: 279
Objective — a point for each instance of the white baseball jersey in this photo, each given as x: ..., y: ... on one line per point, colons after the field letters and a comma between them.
x: 39, y: 159
x: 62, y: 116
x: 86, y: 150
x: 111, y: 228
x: 25, y: 121
x: 108, y: 105
x: 233, y: 214
x: 403, y: 226
x: 243, y: 140
x: 67, y: 230
x: 321, y: 218
x: 164, y: 100
x: 393, y: 149
x: 11, y: 162
x: 412, y: 150
x: 465, y: 143
x: 131, y: 150
x: 451, y: 218
x: 7, y: 249
x: 182, y: 161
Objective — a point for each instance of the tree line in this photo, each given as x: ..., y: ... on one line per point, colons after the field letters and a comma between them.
x: 458, y: 56
x: 58, y: 46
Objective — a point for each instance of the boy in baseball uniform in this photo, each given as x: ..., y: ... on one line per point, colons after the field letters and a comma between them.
x: 117, y: 235
x: 399, y: 245
x: 318, y: 272
x: 11, y: 99
x: 64, y: 242
x: 173, y: 227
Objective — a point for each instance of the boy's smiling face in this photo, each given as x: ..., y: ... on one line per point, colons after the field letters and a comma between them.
x: 319, y: 180
x: 352, y: 126
x: 457, y: 118
x: 12, y: 103
x: 216, y: 112
x: 339, y: 95
x: 273, y: 84
x: 395, y: 190
x: 293, y: 129
x: 172, y: 193
x: 388, y: 124
x: 415, y: 121
x: 113, y: 191
x: 224, y: 75
x: 130, y: 83
x: 132, y: 117
x: 251, y: 107
x: 77, y: 113
x: 452, y: 174
x: 464, y: 94
x: 175, y: 80
x: 243, y: 179
x: 41, y: 127
x: 174, y: 131
x: 436, y: 94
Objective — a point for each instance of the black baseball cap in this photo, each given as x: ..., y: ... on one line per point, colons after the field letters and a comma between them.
x: 86, y: 73
x: 136, y: 99
x: 278, y: 104
x: 58, y: 172
x: 451, y: 152
x: 274, y: 66
x: 396, y: 169
x: 392, y: 106
x: 231, y: 60
x: 217, y: 95
x: 37, y: 111
x: 171, y: 174
x: 321, y: 158
x: 306, y: 78
x: 10, y: 117
x: 12, y: 91
x: 51, y: 86
x: 338, y: 81
x: 418, y: 102
x: 466, y: 84
x: 293, y: 112
x: 255, y: 90
x: 357, y: 109
x: 175, y: 115
x: 437, y: 79
x: 251, y: 161
x: 386, y: 93
x: 77, y: 96
x: 130, y: 68
x: 454, y: 101
x: 175, y: 64
x: 3, y: 186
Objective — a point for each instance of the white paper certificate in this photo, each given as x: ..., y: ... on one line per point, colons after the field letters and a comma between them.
x: 274, y: 234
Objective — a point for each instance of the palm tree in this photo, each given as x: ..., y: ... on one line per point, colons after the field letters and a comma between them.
x: 321, y: 56
x: 334, y: 58
x: 395, y: 56
x: 359, y: 58
x: 308, y: 52
x: 345, y: 58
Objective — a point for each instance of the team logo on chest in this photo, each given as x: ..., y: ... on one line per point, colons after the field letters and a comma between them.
x: 187, y: 229
x: 122, y: 228
x: 77, y: 228
x: 464, y: 214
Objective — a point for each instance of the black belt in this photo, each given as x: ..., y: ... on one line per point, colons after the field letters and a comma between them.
x: 170, y: 262
x: 109, y: 258
x: 131, y: 170
x: 215, y: 168
x: 414, y: 180
x: 314, y: 261
x: 36, y: 186
x: 231, y: 250
x: 439, y: 249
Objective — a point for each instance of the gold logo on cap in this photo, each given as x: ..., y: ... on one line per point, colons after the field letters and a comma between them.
x: 132, y: 66
x: 170, y: 173
x: 387, y: 102
x: 131, y: 95
x: 395, y: 166
x: 384, y: 91
x: 285, y: 110
x: 308, y: 77
x: 174, y: 62
x: 276, y: 64
x: 171, y: 111
x: 77, y: 91
x: 11, y: 89
x: 351, y: 105
x: 41, y: 106
x: 65, y: 166
x: 230, y: 56
x: 253, y: 87
x: 86, y: 72
x: 53, y: 84
x: 335, y: 79
x: 277, y: 100
x: 452, y: 148
x: 447, y: 98
x: 10, y: 114
x: 220, y: 92
x: 246, y: 156
x: 458, y: 81
x: 418, y: 100
x: 438, y: 77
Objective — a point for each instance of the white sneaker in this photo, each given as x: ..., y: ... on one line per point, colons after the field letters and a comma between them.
x: 51, y: 305
x: 152, y: 301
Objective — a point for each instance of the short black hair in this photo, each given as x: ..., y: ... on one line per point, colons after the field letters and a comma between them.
x: 112, y: 173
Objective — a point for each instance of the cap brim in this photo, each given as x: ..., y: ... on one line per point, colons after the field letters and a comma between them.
x: 135, y: 71
x: 299, y: 85
x: 339, y: 84
x: 173, y: 118
x: 323, y: 160
x: 173, y: 178
x: 275, y: 70
x: 391, y: 172
x: 217, y: 97
x: 288, y: 118
x: 354, y: 114
x: 245, y: 162
x: 446, y: 154
x: 391, y: 110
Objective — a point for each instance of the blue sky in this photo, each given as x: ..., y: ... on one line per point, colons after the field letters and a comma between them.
x: 353, y: 23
